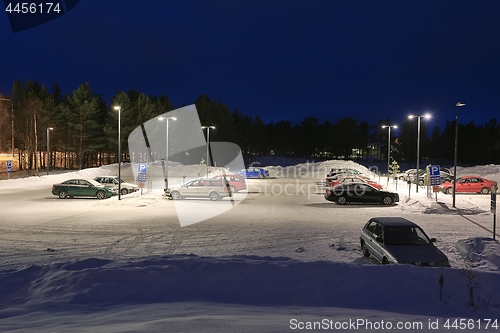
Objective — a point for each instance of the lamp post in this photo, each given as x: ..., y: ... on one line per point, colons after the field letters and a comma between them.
x: 118, y: 107
x: 418, y: 116
x: 459, y: 104
x: 11, y: 121
x: 208, y: 142
x: 48, y: 148
x: 166, y: 150
x: 389, y: 148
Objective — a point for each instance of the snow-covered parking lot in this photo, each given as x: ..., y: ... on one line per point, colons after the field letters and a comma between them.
x: 283, y: 257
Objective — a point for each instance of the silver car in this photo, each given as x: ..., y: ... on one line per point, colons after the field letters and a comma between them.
x: 112, y: 182
x: 215, y: 189
x: 400, y: 241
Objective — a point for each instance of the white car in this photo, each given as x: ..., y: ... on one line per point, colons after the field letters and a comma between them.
x: 112, y: 182
x: 215, y: 189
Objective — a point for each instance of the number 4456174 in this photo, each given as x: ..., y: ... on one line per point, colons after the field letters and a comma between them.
x: 33, y: 8
x: 469, y: 324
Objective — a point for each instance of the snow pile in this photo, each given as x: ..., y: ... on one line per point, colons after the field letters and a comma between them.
x: 316, y: 170
x: 248, y: 280
x: 490, y: 171
x: 482, y: 252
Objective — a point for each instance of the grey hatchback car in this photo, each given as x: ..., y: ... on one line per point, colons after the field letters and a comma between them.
x: 399, y: 241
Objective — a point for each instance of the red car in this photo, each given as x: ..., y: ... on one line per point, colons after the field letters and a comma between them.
x: 469, y: 184
x: 236, y: 182
x: 355, y: 179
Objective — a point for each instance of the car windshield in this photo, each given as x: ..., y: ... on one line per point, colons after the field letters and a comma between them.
x: 405, y: 235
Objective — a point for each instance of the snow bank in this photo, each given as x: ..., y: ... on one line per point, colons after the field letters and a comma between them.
x: 483, y: 252
x: 246, y: 280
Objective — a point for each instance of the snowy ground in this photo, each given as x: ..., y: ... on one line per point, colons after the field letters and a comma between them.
x: 283, y: 259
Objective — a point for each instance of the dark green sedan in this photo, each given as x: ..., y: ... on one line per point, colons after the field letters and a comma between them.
x: 82, y: 188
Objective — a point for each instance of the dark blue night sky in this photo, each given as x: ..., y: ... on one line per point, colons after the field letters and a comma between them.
x: 281, y: 60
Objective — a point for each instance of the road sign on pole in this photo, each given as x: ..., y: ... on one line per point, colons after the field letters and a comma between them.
x: 494, y: 208
x: 141, y: 175
x: 9, y: 168
x: 435, y: 178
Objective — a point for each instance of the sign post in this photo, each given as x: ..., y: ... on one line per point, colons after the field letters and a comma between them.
x: 9, y: 168
x: 494, y: 208
x: 435, y: 178
x: 141, y: 175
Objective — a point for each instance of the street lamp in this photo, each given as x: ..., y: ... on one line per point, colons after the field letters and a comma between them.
x: 11, y: 121
x: 166, y: 150
x: 459, y: 104
x: 418, y: 116
x: 48, y: 148
x: 119, y: 108
x: 208, y: 142
x: 389, y: 148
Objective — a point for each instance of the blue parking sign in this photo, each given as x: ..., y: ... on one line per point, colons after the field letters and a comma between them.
x: 142, y: 168
x: 435, y: 170
x: 9, y: 166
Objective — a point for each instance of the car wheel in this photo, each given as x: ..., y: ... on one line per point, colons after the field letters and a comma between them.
x: 175, y: 195
x: 385, y: 261
x: 421, y: 182
x: 449, y: 190
x: 63, y: 195
x: 261, y: 176
x: 366, y: 253
x: 124, y: 191
x: 100, y: 195
x: 485, y: 190
x: 387, y: 200
x: 341, y: 200
x: 214, y: 196
x: 233, y: 189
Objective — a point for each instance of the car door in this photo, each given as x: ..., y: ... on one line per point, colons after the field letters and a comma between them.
x: 365, y: 193
x: 252, y: 173
x: 476, y: 184
x: 71, y: 187
x: 203, y: 187
x: 465, y: 185
x: 190, y: 189
x: 86, y: 189
x: 374, y: 240
x: 348, y: 190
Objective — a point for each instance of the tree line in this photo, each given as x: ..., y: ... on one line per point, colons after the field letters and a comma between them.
x: 85, y: 131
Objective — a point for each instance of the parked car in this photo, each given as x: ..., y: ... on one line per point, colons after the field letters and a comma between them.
x: 112, y: 182
x: 422, y: 177
x: 400, y: 241
x: 236, y: 182
x: 82, y: 188
x: 349, y: 171
x: 409, y: 173
x: 469, y: 184
x: 344, y: 193
x: 215, y: 189
x: 337, y: 174
x: 253, y: 173
x: 355, y: 179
